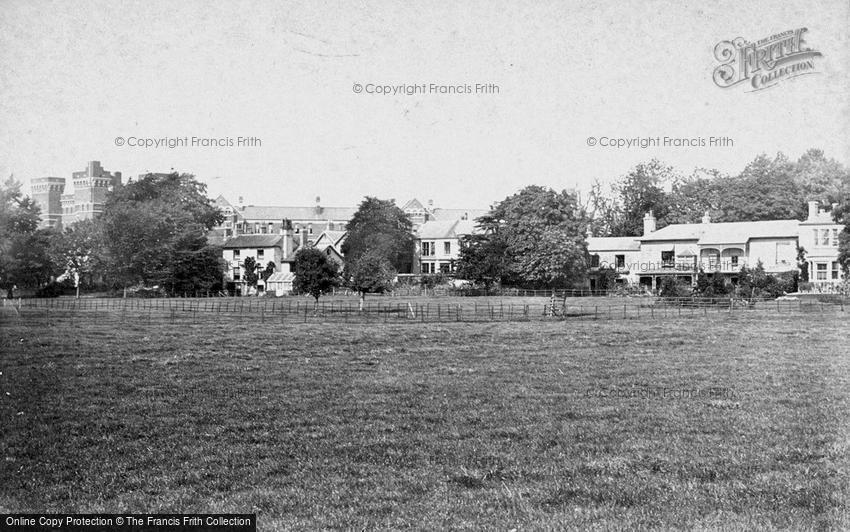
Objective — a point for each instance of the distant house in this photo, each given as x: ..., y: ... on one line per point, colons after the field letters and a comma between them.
x: 278, y: 249
x: 330, y: 242
x: 438, y: 245
x: 419, y: 214
x: 682, y: 250
x: 307, y: 222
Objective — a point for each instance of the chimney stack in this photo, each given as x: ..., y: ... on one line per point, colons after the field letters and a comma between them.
x: 706, y: 218
x: 813, y: 209
x: 288, y: 238
x: 648, y: 223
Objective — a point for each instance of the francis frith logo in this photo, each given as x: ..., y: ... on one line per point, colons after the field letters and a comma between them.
x: 766, y: 62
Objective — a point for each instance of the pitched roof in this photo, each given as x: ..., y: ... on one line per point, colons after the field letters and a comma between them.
x: 413, y: 204
x: 280, y: 277
x: 259, y: 212
x: 333, y: 238
x: 725, y: 232
x: 254, y: 241
x: 446, y: 229
x: 613, y: 243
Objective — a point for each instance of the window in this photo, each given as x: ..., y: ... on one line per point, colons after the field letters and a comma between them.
x: 447, y: 248
x: 426, y: 267
x: 445, y: 267
x: 235, y: 254
x: 815, y: 233
x: 594, y: 261
x: 260, y: 253
x: 835, y: 269
x: 297, y: 230
x: 620, y: 261
x: 734, y: 261
x: 235, y: 276
x: 835, y: 238
x: 825, y: 237
x: 667, y: 259
x: 429, y: 249
x: 309, y: 229
x: 821, y: 272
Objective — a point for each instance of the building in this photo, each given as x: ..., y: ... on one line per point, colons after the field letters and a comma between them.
x: 84, y: 203
x: 819, y: 239
x: 330, y: 242
x: 438, y: 245
x: 47, y: 194
x: 278, y: 249
x: 419, y: 214
x: 307, y: 222
x: 682, y: 250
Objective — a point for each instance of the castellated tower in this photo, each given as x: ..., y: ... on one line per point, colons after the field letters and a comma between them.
x: 90, y: 188
x: 47, y: 193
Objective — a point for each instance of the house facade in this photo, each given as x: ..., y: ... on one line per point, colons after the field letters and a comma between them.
x: 277, y: 249
x: 437, y: 245
x: 682, y: 250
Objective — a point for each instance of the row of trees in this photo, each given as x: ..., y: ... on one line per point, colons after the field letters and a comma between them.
x: 151, y: 234
x: 766, y: 189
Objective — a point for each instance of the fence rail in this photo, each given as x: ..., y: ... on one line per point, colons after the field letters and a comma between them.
x: 262, y: 310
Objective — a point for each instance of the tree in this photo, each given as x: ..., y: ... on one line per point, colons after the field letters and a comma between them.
x: 23, y: 249
x: 155, y: 234
x: 483, y: 259
x: 270, y: 268
x: 315, y: 273
x: 251, y: 267
x: 380, y: 227
x: 79, y: 250
x: 641, y: 191
x: 371, y: 273
x: 533, y: 238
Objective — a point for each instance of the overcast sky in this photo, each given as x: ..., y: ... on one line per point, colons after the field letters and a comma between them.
x: 76, y: 75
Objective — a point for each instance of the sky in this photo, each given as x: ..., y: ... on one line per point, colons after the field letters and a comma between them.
x: 77, y: 75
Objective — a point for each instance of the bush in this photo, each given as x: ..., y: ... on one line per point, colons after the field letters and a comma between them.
x: 54, y: 289
x: 671, y: 288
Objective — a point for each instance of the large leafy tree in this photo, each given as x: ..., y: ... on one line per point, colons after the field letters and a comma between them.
x: 155, y: 234
x: 841, y: 214
x: 483, y: 259
x: 535, y: 237
x: 24, y: 256
x: 315, y: 273
x: 371, y: 273
x: 380, y: 228
x: 79, y: 250
x: 641, y: 190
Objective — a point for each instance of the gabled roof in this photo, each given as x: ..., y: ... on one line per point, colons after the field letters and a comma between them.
x: 446, y: 229
x: 613, y: 243
x: 413, y: 205
x: 254, y: 241
x: 332, y: 238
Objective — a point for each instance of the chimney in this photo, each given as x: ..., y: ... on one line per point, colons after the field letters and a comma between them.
x: 706, y: 218
x: 288, y: 238
x: 241, y: 203
x: 648, y: 223
x: 813, y: 209
x: 834, y: 207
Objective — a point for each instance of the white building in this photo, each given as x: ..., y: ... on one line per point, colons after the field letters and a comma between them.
x: 438, y: 245
x: 682, y: 250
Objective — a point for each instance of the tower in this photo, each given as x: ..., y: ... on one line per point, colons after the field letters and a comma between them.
x: 47, y: 194
x: 90, y: 188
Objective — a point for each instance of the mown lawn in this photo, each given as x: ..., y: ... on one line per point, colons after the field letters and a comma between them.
x: 455, y: 425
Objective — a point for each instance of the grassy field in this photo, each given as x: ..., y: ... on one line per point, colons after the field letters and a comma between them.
x: 742, y: 420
